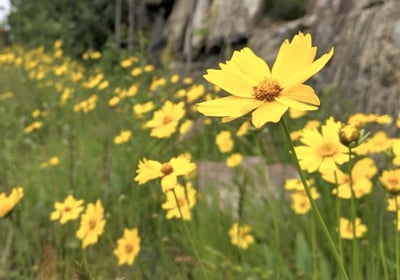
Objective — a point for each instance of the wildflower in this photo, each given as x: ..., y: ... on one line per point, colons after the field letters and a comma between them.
x: 95, y: 55
x: 165, y: 120
x: 68, y: 210
x: 396, y: 152
x: 168, y: 171
x: 349, y: 134
x: 234, y: 160
x: 114, y: 101
x: 267, y: 93
x: 185, y: 127
x: 92, y: 224
x: 295, y: 114
x: 179, y: 202
x: 128, y: 247
x: 7, y: 203
x: 224, y: 141
x: 175, y: 78
x: 123, y: 137
x: 194, y: 93
x: 393, y: 204
x: 103, y: 85
x: 132, y: 90
x: 300, y: 202
x: 361, y: 175
x: 240, y: 236
x: 141, y: 109
x: 378, y: 143
x: 136, y: 71
x: 32, y: 127
x: 53, y: 161
x: 390, y: 179
x: 296, y: 135
x: 243, y: 129
x: 148, y: 68
x: 346, y: 228
x: 187, y: 81
x: 322, y: 150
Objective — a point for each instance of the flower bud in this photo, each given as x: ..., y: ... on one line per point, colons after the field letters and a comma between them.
x: 349, y: 134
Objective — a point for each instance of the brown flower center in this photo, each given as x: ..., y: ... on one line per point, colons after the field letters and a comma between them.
x: 327, y: 150
x: 67, y: 209
x: 267, y: 90
x: 92, y: 224
x: 166, y: 169
x: 167, y: 120
x: 128, y: 248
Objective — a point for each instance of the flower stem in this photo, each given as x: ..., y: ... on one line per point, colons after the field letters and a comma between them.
x: 397, y: 240
x: 381, y: 243
x: 189, y: 235
x: 353, y: 217
x: 314, y: 205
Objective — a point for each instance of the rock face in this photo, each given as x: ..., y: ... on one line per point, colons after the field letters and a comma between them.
x: 365, y: 69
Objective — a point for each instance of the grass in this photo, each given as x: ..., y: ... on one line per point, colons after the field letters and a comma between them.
x: 287, y: 245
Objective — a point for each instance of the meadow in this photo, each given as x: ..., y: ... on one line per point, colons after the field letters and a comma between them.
x: 101, y: 179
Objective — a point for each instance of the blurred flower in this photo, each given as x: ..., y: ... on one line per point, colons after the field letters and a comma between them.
x: 32, y: 127
x: 300, y: 202
x: 267, y: 94
x: 244, y: 127
x: 128, y: 247
x: 322, y: 150
x: 114, y: 101
x: 346, y: 228
x: 195, y: 92
x: 390, y: 179
x: 123, y: 137
x: 295, y: 114
x: 392, y: 205
x: 92, y: 224
x: 136, y: 71
x: 166, y: 120
x: 378, y: 143
x: 361, y: 175
x: 141, y: 109
x: 168, y: 171
x: 296, y: 135
x: 7, y: 203
x: 95, y: 55
x: 240, y: 236
x: 67, y: 210
x: 179, y: 201
x: 103, y: 85
x: 396, y: 152
x: 234, y: 160
x: 185, y: 127
x: 224, y: 141
x: 148, y: 68
x: 86, y: 105
x: 175, y: 78
x: 53, y: 161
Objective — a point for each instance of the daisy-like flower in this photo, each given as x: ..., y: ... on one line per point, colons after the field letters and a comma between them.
x: 168, y: 171
x: 123, y: 137
x: 322, y: 150
x: 390, y: 180
x: 393, y: 204
x: 224, y: 141
x: 240, y: 236
x: 266, y: 93
x: 92, y: 224
x: 128, y: 247
x: 234, y: 160
x: 346, y: 228
x: 7, y: 203
x: 361, y: 175
x: 67, y: 210
x: 300, y: 202
x: 179, y: 202
x: 166, y: 120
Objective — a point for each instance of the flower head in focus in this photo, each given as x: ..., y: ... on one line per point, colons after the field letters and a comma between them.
x: 92, y: 224
x: 128, y: 246
x: 268, y: 94
x: 67, y: 210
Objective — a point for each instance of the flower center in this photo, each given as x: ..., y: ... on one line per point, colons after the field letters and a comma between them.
x: 67, y: 209
x: 128, y: 248
x: 166, y: 120
x: 166, y: 169
x: 92, y: 224
x: 267, y: 90
x: 327, y: 150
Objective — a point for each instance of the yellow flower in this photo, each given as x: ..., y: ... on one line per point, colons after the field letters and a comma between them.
x: 175, y: 78
x: 128, y: 247
x: 378, y: 143
x: 349, y: 134
x: 295, y: 114
x: 295, y: 135
x: 136, y: 71
x: 396, y: 151
x: 166, y: 120
x: 179, y: 202
x: 300, y: 202
x: 296, y: 184
x: 240, y: 236
x: 7, y: 203
x: 392, y: 205
x: 92, y: 224
x: 346, y: 228
x: 267, y: 94
x: 103, y: 85
x: 243, y: 129
x: 123, y: 137
x: 194, y: 93
x: 53, y: 161
x: 95, y: 55
x: 224, y: 141
x: 390, y: 180
x: 185, y: 127
x: 322, y: 151
x: 234, y: 160
x: 148, y: 68
x: 114, y: 101
x: 67, y: 210
x: 168, y: 171
x: 361, y: 175
x: 141, y: 109
x: 33, y: 126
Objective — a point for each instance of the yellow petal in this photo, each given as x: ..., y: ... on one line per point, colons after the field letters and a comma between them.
x: 301, y: 93
x: 230, y: 82
x: 230, y: 106
x: 295, y: 104
x: 268, y: 112
x: 293, y: 57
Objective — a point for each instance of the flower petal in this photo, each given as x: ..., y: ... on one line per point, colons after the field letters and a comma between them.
x: 268, y: 112
x: 301, y: 93
x: 296, y: 104
x: 230, y: 106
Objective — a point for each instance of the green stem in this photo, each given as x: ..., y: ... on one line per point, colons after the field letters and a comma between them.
x: 314, y: 247
x: 397, y: 240
x: 189, y: 235
x: 355, y: 259
x: 314, y: 205
x: 381, y: 243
